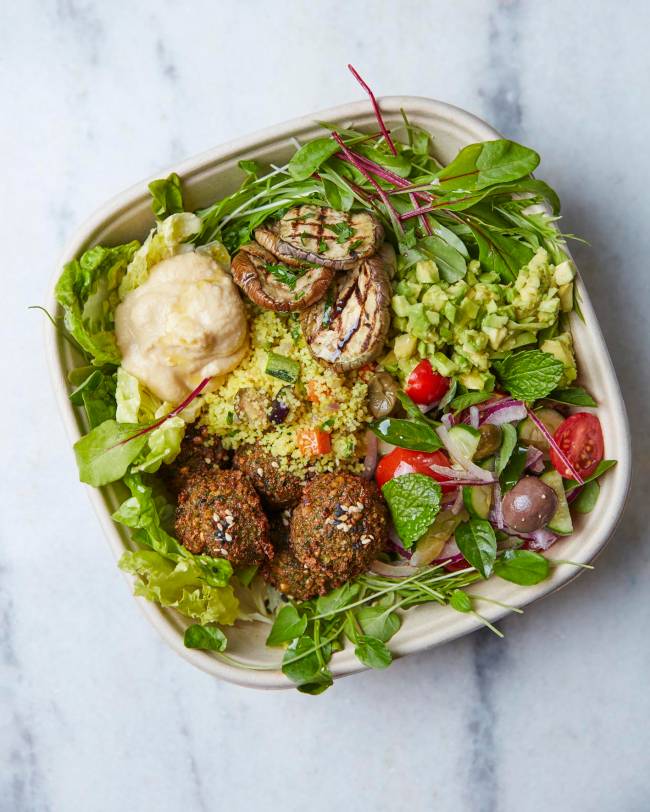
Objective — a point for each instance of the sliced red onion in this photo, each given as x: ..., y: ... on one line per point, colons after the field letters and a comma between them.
x: 541, y: 540
x: 372, y: 454
x: 496, y: 510
x: 427, y: 408
x: 495, y: 405
x: 450, y: 553
x: 447, y: 420
x: 573, y: 494
x: 475, y: 471
x: 395, y: 542
x: 473, y: 417
x: 534, y: 459
x: 549, y: 439
x: 392, y: 570
x: 456, y: 477
x: 506, y: 414
x: 457, y: 506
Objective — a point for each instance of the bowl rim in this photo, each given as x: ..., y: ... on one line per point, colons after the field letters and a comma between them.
x: 85, y: 233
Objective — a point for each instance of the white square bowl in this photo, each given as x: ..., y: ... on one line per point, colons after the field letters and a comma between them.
x: 214, y: 174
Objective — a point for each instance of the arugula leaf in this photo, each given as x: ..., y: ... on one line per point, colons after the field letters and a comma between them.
x: 251, y: 168
x: 462, y: 402
x: 478, y: 544
x: 372, y: 652
x: 288, y: 625
x: 283, y: 274
x: 523, y: 567
x: 416, y: 436
x: 508, y: 443
x: 587, y: 498
x: 167, y: 197
x: 573, y: 395
x: 414, y: 503
x: 529, y: 375
x: 103, y: 456
x: 603, y: 465
x: 310, y: 156
x: 88, y: 292
x: 208, y: 638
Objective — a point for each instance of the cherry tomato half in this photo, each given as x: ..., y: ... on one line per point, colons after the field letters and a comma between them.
x: 402, y: 461
x: 424, y: 385
x: 581, y: 439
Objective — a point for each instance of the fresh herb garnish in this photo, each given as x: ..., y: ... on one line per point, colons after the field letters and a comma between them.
x: 523, y: 567
x: 343, y: 231
x: 416, y: 436
x: 283, y: 274
x: 529, y: 375
x: 414, y: 502
x: 573, y: 396
x: 478, y: 544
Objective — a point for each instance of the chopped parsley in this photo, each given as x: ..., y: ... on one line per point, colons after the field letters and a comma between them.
x: 343, y: 231
x: 356, y: 244
x: 322, y: 246
x: 283, y: 274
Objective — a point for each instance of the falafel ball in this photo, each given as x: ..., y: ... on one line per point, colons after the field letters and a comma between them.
x: 201, y: 453
x: 286, y: 573
x: 340, y: 526
x: 221, y: 515
x: 279, y: 489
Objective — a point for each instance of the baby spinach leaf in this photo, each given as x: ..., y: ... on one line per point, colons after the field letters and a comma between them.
x: 288, y: 625
x: 462, y: 402
x: 588, y: 497
x: 478, y: 544
x: 208, y: 638
x: 573, y: 395
x: 529, y: 375
x: 166, y: 196
x: 487, y: 163
x: 310, y: 156
x: 416, y: 436
x: 508, y: 443
x: 523, y: 567
x: 414, y: 502
x: 103, y: 456
x: 372, y: 652
x: 514, y: 468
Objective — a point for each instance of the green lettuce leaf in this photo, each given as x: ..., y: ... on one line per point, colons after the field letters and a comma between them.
x: 179, y: 585
x: 88, y: 292
x: 166, y: 196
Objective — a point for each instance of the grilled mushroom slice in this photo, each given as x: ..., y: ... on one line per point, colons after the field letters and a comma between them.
x: 347, y: 328
x: 273, y: 287
x: 322, y: 235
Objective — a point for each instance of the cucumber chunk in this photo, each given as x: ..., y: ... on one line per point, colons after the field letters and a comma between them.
x: 561, y: 522
x: 279, y: 366
x: 465, y: 440
x: 478, y: 500
x: 531, y: 435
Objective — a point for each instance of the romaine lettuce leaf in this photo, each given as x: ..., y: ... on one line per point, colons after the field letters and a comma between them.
x: 88, y: 292
x: 166, y: 196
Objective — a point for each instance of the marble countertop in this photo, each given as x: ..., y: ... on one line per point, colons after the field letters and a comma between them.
x: 96, y: 713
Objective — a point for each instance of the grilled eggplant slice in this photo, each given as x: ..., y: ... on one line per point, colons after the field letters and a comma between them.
x: 347, y: 328
x: 273, y: 287
x: 322, y: 236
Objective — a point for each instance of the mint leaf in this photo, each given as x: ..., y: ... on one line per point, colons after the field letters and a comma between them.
x: 478, y: 544
x: 529, y: 375
x: 523, y: 567
x: 209, y: 638
x: 414, y: 502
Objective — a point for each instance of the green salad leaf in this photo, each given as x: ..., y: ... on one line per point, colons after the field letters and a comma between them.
x: 414, y: 503
x: 462, y: 402
x: 514, y: 467
x: 508, y: 443
x: 88, y: 292
x: 310, y: 156
x: 478, y: 544
x: 523, y: 567
x: 487, y: 163
x: 287, y: 626
x: 529, y: 375
x: 96, y: 393
x: 167, y: 197
x: 587, y: 497
x: 601, y: 468
x: 208, y: 638
x: 105, y: 453
x: 573, y: 396
x: 372, y: 652
x: 303, y: 664
x: 417, y: 436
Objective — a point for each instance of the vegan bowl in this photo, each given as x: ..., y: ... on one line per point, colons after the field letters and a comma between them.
x: 344, y: 390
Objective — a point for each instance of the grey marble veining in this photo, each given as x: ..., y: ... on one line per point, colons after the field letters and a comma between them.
x: 95, y: 712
